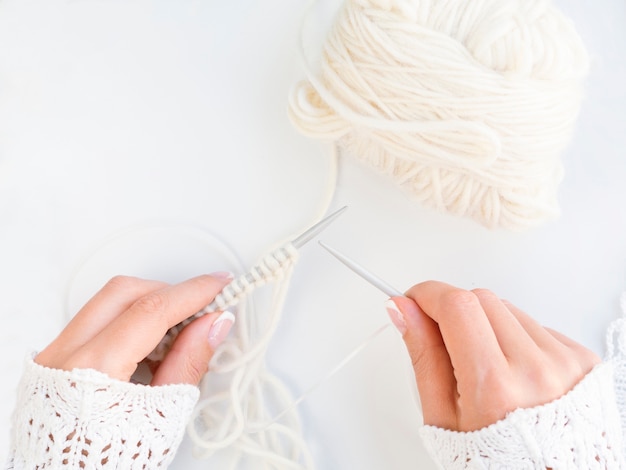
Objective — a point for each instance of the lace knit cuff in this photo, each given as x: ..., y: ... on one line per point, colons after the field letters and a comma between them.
x: 579, y: 430
x: 85, y: 419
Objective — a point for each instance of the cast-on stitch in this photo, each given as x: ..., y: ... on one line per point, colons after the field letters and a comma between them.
x: 84, y: 419
x: 271, y: 267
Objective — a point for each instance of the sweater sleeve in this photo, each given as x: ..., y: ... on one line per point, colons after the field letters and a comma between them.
x: 85, y: 419
x: 582, y: 429
x: 616, y: 354
x: 579, y: 430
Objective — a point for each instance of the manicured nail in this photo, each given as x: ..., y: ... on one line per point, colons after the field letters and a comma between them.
x: 225, y: 275
x: 396, y: 316
x: 220, y: 328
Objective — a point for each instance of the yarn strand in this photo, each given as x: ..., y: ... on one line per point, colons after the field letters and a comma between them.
x: 239, y: 394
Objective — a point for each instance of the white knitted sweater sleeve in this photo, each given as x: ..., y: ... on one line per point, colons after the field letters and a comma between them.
x: 85, y: 419
x: 581, y: 430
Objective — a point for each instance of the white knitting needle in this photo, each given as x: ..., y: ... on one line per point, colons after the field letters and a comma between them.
x: 317, y: 228
x: 364, y: 273
x: 309, y: 234
x: 249, y: 276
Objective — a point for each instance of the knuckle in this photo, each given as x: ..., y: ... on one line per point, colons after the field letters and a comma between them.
x: 549, y: 378
x: 458, y: 299
x: 485, y: 294
x: 120, y: 283
x: 574, y: 367
x: 589, y: 359
x: 422, y: 286
x: 195, y: 370
x: 585, y: 358
x: 424, y: 362
x: 192, y: 368
x: 153, y: 303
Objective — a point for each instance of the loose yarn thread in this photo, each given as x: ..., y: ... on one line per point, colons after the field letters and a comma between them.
x: 239, y: 392
x: 465, y: 104
x: 244, y: 410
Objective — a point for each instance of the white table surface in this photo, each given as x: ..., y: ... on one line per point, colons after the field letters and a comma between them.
x: 137, y: 113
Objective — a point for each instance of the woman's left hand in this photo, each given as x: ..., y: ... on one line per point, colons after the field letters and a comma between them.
x: 127, y: 319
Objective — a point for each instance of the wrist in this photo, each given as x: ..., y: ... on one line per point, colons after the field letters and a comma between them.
x: 85, y: 418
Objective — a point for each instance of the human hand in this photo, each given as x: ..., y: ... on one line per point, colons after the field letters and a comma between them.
x: 477, y: 357
x: 126, y: 320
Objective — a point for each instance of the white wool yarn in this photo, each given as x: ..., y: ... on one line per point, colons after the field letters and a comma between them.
x: 467, y: 104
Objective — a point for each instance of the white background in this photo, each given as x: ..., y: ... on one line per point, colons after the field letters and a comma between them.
x: 117, y: 114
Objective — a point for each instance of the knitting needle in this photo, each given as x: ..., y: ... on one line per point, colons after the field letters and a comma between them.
x: 309, y: 234
x: 317, y: 228
x: 306, y: 236
x: 298, y: 242
x: 364, y: 273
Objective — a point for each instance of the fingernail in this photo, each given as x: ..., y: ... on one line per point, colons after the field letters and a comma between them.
x: 225, y: 275
x: 396, y: 316
x: 220, y: 328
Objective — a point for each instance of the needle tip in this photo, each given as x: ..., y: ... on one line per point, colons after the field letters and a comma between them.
x: 317, y: 228
x: 364, y: 273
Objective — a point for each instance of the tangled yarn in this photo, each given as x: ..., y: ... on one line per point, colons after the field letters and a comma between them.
x: 466, y: 104
x: 241, y: 399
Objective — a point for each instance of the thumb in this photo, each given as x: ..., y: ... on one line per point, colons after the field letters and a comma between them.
x: 188, y: 359
x: 431, y: 363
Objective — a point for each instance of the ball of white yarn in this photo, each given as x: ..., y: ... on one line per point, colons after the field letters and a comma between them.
x: 467, y: 104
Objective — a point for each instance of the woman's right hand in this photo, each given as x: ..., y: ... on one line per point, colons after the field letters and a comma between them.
x: 477, y: 357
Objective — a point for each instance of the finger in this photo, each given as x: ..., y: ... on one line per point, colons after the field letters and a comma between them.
x: 586, y: 357
x: 431, y: 363
x: 561, y: 338
x: 188, y: 360
x: 464, y: 326
x: 513, y: 338
x: 115, y: 297
x: 540, y: 335
x: 130, y: 337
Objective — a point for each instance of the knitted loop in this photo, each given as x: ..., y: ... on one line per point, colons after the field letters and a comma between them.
x: 271, y: 267
x: 239, y: 393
